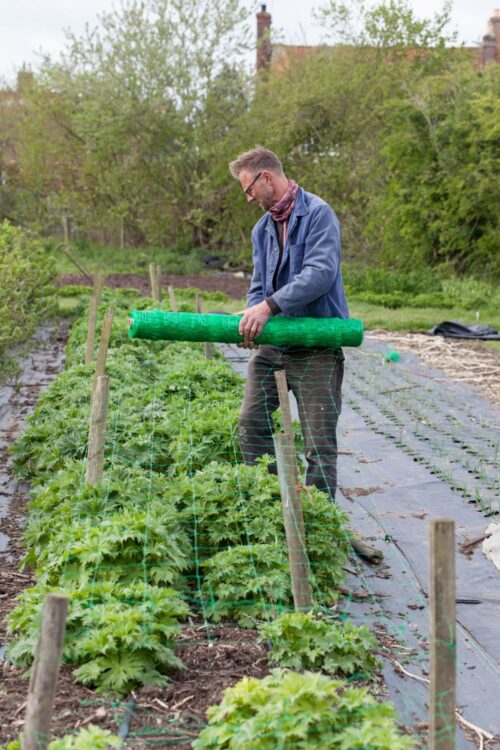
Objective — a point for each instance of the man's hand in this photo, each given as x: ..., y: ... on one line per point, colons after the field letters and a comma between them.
x: 253, y: 321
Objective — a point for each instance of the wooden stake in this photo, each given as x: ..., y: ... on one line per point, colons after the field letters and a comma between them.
x: 78, y: 264
x: 153, y: 279
x: 173, y: 301
x: 97, y: 431
x: 286, y: 414
x: 65, y: 229
x: 284, y: 446
x: 44, y: 673
x: 158, y: 283
x: 95, y: 301
x: 294, y: 522
x: 208, y: 346
x: 442, y: 635
x: 102, y: 353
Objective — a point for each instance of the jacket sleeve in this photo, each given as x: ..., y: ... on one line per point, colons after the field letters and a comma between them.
x: 256, y: 291
x: 320, y: 264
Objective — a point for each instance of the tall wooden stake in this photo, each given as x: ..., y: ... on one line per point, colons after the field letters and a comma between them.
x: 442, y: 635
x: 95, y: 301
x: 97, y: 431
x: 173, y: 301
x: 208, y: 346
x: 65, y: 229
x: 102, y: 353
x: 286, y: 414
x: 153, y: 278
x: 78, y: 264
x: 42, y: 689
x: 158, y: 282
x: 284, y: 446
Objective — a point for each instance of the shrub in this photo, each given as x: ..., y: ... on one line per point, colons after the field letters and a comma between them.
x: 26, y: 293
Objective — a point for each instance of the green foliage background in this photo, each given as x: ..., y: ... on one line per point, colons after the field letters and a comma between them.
x: 132, y: 128
x: 26, y: 293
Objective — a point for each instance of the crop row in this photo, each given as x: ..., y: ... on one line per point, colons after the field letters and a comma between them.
x: 178, y: 526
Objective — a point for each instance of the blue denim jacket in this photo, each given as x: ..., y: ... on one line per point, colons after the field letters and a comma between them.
x: 309, y: 282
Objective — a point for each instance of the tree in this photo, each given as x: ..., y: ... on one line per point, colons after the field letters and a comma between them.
x: 115, y: 126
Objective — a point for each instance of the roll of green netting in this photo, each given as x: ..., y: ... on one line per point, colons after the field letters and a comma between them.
x: 331, y: 332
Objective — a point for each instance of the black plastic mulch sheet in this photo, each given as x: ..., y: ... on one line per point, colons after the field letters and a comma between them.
x: 454, y: 330
x: 413, y: 448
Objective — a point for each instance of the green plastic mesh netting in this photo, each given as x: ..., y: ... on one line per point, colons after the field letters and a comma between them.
x: 330, y: 332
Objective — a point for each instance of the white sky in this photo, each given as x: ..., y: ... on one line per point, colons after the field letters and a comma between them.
x: 27, y: 26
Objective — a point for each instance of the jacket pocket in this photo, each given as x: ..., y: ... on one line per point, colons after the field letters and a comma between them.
x: 296, y: 253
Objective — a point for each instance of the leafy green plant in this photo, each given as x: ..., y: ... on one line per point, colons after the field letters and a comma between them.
x: 125, y: 546
x: 122, y: 636
x: 87, y: 738
x: 299, y: 640
x: 65, y: 498
x: 204, y: 430
x: 235, y: 517
x: 299, y: 712
x: 248, y: 583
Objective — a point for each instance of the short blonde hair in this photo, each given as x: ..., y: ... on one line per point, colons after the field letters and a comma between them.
x: 254, y: 161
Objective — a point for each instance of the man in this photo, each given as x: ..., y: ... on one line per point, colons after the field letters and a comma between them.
x: 296, y: 255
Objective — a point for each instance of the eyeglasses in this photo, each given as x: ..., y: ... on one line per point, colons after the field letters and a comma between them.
x: 248, y: 190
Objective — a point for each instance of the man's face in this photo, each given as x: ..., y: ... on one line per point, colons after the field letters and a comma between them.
x: 260, y: 190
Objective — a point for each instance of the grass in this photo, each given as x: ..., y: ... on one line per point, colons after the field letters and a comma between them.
x: 109, y: 260
x: 417, y: 319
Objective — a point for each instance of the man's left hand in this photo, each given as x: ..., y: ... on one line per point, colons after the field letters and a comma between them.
x: 253, y: 321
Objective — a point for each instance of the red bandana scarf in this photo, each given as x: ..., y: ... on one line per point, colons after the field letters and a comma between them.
x: 284, y: 207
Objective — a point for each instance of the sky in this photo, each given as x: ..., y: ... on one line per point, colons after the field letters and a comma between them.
x: 26, y: 26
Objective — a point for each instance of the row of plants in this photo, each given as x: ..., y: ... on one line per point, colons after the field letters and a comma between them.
x: 181, y: 526
x: 26, y: 293
x: 421, y: 287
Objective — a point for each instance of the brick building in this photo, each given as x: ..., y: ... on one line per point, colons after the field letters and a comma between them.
x: 278, y: 56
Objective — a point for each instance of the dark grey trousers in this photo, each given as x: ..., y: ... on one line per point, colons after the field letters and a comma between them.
x: 314, y: 376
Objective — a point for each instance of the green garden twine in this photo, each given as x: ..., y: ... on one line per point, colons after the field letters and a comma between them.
x: 223, y: 329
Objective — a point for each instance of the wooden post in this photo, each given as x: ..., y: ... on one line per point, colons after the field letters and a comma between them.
x: 97, y: 431
x: 78, y: 264
x: 153, y: 279
x: 173, y: 301
x: 42, y: 689
x: 102, y: 353
x: 208, y: 346
x: 284, y: 446
x: 65, y: 229
x: 158, y: 283
x: 95, y: 301
x: 286, y: 414
x: 294, y: 522
x: 442, y: 635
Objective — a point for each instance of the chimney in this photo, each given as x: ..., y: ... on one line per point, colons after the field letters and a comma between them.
x: 494, y: 30
x: 264, y: 49
x: 488, y: 49
x: 25, y: 79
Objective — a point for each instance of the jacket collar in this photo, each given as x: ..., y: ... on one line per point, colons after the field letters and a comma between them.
x: 301, y: 209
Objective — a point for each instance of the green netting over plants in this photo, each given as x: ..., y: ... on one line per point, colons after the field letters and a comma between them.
x: 328, y: 332
x: 179, y: 554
